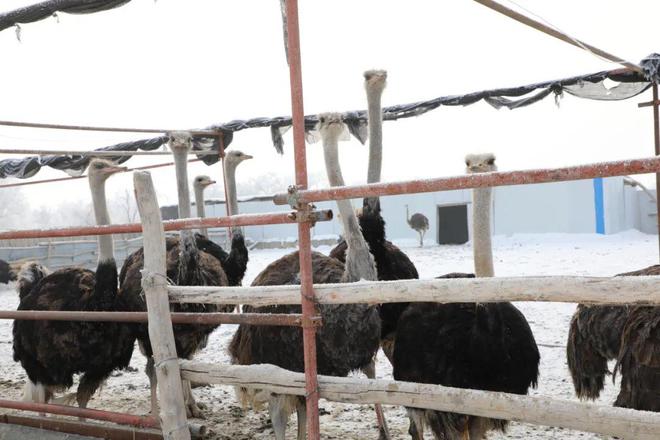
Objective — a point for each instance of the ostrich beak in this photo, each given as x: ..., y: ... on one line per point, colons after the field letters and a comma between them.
x: 113, y: 170
x: 247, y: 156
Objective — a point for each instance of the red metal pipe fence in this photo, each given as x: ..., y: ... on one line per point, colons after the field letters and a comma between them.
x: 64, y: 410
x: 304, y: 234
x: 177, y: 317
x: 480, y: 180
x: 274, y: 218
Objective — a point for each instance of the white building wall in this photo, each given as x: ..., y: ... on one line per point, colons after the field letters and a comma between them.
x: 540, y: 208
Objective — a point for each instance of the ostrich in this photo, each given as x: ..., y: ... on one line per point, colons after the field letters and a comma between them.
x: 391, y: 262
x: 348, y: 339
x: 187, y: 265
x: 639, y: 359
x: 199, y: 185
x: 419, y: 223
x: 7, y: 272
x: 51, y: 352
x: 235, y: 263
x: 595, y: 337
x: 466, y: 345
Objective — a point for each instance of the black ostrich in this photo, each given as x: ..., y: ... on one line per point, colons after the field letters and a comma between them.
x: 51, y: 352
x: 187, y: 265
x: 391, y: 262
x: 348, y: 339
x: 7, y: 272
x: 235, y: 262
x: 594, y: 338
x: 466, y: 345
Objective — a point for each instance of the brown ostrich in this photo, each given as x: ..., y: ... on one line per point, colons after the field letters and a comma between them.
x: 348, y: 339
x: 52, y: 352
x: 419, y: 223
x: 187, y: 265
x: 595, y: 337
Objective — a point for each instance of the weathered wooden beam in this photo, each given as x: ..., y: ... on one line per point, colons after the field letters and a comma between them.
x: 154, y: 283
x: 620, y: 422
x: 587, y: 290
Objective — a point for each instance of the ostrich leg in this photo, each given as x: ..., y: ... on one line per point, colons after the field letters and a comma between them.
x: 192, y: 408
x: 421, y: 238
x: 153, y: 385
x: 301, y: 411
x: 278, y: 416
x: 370, y: 372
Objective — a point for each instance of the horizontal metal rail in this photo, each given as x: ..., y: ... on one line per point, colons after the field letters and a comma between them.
x: 64, y: 410
x: 620, y: 422
x: 273, y: 218
x: 62, y: 179
x: 642, y: 290
x: 96, y: 430
x: 109, y: 129
x: 177, y: 318
x: 104, y: 153
x: 479, y: 180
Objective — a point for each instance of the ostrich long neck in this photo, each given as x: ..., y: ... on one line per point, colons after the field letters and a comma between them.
x: 482, y: 247
x: 106, y: 247
x: 375, y: 116
x: 181, y: 169
x: 199, y: 206
x: 232, y: 198
x: 359, y: 261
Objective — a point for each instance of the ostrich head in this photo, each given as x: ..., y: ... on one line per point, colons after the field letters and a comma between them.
x: 180, y: 141
x: 375, y: 80
x: 202, y: 182
x: 100, y: 169
x: 331, y: 125
x: 234, y: 157
x: 480, y: 163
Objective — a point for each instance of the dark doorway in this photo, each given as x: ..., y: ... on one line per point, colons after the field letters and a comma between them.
x: 452, y: 224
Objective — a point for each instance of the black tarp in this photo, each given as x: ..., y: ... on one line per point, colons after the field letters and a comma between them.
x: 610, y: 85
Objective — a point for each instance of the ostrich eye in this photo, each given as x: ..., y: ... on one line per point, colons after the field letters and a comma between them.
x: 491, y: 161
x: 467, y: 163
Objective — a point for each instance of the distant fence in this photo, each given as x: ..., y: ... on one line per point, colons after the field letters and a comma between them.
x: 56, y: 254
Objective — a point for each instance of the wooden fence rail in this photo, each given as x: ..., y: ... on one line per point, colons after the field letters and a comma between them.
x: 586, y: 290
x: 620, y: 422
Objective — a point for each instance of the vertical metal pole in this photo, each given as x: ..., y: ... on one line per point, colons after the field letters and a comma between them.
x: 304, y: 236
x: 656, y: 135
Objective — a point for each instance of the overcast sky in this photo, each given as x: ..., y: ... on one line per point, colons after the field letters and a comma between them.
x: 185, y: 64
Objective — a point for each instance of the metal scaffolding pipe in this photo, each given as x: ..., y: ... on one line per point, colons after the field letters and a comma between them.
x: 177, y: 318
x: 109, y: 129
x: 304, y: 234
x: 467, y: 181
x: 81, y: 428
x: 274, y: 218
x: 94, y: 153
x: 96, y: 414
x: 84, y: 176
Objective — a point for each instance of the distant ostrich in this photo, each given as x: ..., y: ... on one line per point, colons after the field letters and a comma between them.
x: 391, y: 262
x: 348, y: 339
x: 235, y: 262
x: 419, y: 223
x: 51, y: 352
x: 594, y: 338
x: 7, y: 272
x: 186, y: 266
x: 466, y: 345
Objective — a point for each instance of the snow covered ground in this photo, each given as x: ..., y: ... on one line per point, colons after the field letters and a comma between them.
x: 548, y: 254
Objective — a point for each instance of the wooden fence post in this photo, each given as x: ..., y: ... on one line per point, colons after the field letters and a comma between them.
x: 154, y: 283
